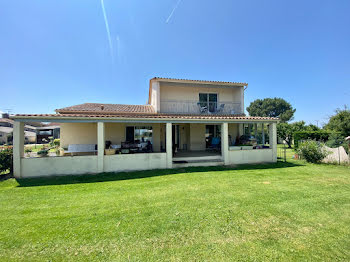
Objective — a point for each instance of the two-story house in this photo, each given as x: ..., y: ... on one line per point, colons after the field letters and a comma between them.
x: 185, y: 123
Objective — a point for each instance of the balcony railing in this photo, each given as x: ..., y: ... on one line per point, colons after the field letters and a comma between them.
x: 195, y: 107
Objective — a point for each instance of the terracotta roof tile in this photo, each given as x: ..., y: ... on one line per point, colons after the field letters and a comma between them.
x: 107, y: 109
x: 149, y: 116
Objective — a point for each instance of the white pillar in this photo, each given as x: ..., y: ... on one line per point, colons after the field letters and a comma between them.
x: 263, y: 133
x: 224, y: 143
x: 273, y: 140
x: 169, y: 145
x: 18, y: 148
x: 100, y: 145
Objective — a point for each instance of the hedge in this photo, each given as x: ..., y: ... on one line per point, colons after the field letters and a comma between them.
x: 313, y: 135
x: 6, y: 160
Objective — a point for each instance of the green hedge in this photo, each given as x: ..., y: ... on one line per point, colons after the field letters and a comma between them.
x: 6, y: 160
x: 313, y: 135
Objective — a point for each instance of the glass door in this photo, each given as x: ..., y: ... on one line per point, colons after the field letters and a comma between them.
x: 209, y: 101
x: 213, y: 101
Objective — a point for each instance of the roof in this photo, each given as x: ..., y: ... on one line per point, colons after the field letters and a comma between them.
x: 98, y: 108
x: 48, y: 127
x: 151, y: 117
x: 7, y: 120
x: 9, y: 130
x: 10, y: 121
x: 5, y: 129
x: 199, y: 81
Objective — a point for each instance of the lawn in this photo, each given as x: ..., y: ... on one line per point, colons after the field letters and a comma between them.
x: 286, y: 211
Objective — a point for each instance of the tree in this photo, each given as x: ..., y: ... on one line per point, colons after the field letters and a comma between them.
x: 312, y: 127
x: 286, y: 131
x: 272, y: 107
x: 340, y: 122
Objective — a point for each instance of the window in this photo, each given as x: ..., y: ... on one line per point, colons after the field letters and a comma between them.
x: 45, y: 132
x: 208, y: 100
x: 139, y: 133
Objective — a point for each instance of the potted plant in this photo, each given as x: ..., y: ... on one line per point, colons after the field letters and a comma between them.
x: 43, y: 152
x: 62, y: 149
x: 28, y: 150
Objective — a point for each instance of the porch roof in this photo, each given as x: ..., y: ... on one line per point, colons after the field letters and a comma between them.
x: 160, y: 118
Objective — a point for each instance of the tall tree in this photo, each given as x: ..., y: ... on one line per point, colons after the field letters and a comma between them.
x: 272, y: 107
x: 340, y: 122
x: 286, y: 131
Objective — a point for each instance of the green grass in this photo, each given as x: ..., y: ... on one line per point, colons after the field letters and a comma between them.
x: 286, y: 211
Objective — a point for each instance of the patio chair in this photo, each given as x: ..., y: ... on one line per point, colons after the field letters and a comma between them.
x: 202, y: 109
x: 215, y: 144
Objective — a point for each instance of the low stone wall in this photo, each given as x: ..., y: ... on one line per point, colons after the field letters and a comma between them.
x: 130, y: 162
x: 48, y: 166
x: 251, y: 156
x: 72, y: 165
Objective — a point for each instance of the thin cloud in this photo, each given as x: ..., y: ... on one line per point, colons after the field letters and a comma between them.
x: 107, y: 29
x: 118, y: 48
x: 172, y: 12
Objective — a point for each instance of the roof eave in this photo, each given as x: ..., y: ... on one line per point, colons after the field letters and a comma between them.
x: 189, y: 81
x: 58, y: 118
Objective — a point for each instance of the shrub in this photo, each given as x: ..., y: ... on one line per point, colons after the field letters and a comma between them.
x: 312, y: 151
x: 28, y: 150
x: 6, y: 160
x: 43, y: 152
x: 56, y: 142
x: 321, y: 136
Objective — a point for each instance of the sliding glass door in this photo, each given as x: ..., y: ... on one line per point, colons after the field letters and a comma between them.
x: 208, y: 100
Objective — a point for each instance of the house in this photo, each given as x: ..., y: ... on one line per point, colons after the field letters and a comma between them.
x: 6, y: 129
x: 184, y: 123
x: 47, y: 132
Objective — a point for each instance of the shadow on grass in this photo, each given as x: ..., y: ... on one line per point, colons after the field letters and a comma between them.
x: 104, y: 177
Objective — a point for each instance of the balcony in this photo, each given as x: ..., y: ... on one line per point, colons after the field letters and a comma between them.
x: 195, y: 107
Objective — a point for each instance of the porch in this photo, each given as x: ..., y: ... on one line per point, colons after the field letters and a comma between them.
x: 172, y: 144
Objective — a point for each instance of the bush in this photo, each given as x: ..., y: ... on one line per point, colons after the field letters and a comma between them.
x: 312, y: 151
x: 6, y: 160
x: 56, y: 142
x: 321, y: 136
x: 28, y: 150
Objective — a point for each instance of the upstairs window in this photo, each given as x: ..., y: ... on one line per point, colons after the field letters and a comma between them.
x: 208, y: 100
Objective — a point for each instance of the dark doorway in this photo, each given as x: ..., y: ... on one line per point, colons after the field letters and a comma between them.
x: 130, y: 134
x: 212, y: 135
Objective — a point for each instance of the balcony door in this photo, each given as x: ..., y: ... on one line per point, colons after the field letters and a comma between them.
x: 209, y: 100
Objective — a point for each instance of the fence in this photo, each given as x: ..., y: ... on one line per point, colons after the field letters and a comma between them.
x: 282, y: 153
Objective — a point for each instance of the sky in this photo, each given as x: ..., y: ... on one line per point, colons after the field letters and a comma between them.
x: 55, y: 54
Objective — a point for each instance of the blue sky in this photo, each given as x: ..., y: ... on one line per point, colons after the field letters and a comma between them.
x: 56, y: 53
